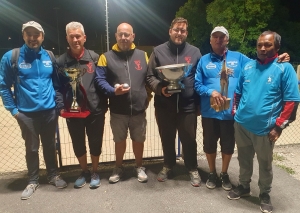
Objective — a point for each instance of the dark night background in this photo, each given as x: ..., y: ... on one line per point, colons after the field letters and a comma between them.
x: 149, y: 18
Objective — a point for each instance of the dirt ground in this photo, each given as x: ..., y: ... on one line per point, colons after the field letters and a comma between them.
x: 287, y: 157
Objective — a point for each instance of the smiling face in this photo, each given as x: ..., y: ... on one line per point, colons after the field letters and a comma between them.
x: 33, y: 38
x: 124, y: 36
x: 178, y: 33
x: 218, y: 42
x: 76, y: 39
x: 265, y: 47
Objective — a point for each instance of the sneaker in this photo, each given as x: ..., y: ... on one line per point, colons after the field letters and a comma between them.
x: 82, y: 179
x: 226, y: 185
x: 211, y: 182
x: 142, y: 177
x: 164, y: 174
x: 29, y: 190
x: 116, y: 175
x: 265, y: 203
x: 238, y: 192
x: 195, y: 178
x: 58, y: 182
x: 95, y: 181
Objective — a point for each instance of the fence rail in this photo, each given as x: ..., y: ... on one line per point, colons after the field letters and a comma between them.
x: 13, y: 148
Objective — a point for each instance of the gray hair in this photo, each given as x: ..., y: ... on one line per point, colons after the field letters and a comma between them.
x: 277, y: 37
x: 74, y: 25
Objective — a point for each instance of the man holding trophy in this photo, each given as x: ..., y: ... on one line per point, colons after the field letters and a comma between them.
x: 175, y: 107
x: 84, y: 106
x: 215, y: 81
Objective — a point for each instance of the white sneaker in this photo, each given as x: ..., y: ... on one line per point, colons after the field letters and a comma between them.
x: 141, y: 175
x: 116, y: 175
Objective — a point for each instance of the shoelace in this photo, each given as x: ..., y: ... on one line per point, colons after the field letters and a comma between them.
x: 165, y: 170
x: 195, y: 174
x: 31, y: 186
x: 94, y: 176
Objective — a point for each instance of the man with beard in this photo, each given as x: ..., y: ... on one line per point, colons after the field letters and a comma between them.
x: 178, y: 111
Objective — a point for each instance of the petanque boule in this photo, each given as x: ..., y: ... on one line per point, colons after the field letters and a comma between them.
x: 125, y: 86
x: 116, y: 85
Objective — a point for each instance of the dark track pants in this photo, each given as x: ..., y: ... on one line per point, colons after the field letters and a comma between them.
x: 36, y: 126
x: 186, y: 124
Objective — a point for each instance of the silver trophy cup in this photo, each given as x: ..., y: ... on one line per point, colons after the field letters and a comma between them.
x: 173, y: 74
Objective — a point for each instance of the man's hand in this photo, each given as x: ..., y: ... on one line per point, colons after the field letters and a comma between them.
x: 164, y: 92
x: 285, y: 57
x: 16, y: 115
x: 119, y: 90
x: 274, y: 134
x: 61, y: 112
x: 218, y: 98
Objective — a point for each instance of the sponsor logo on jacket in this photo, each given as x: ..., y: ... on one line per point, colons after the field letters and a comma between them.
x: 188, y: 59
x: 24, y: 65
x: 90, y: 67
x: 211, y: 66
x: 138, y: 65
x: 47, y: 63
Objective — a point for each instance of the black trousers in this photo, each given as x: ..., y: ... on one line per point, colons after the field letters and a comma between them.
x: 36, y: 126
x: 186, y: 125
x: 93, y: 127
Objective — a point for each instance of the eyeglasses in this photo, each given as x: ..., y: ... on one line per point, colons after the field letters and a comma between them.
x: 126, y: 35
x: 182, y: 31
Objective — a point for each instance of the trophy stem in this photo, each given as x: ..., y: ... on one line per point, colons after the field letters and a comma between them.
x: 74, y: 106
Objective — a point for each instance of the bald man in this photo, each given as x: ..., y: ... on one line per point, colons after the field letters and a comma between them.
x: 121, y: 75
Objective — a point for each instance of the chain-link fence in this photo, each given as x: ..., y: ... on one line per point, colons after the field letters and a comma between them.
x: 13, y: 149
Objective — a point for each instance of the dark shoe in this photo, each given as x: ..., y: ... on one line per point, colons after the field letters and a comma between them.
x: 195, y: 178
x: 58, y: 182
x: 211, y: 182
x: 238, y: 192
x: 82, y: 179
x: 265, y: 203
x: 226, y: 185
x: 116, y: 175
x: 29, y: 190
x: 164, y: 174
x: 95, y: 181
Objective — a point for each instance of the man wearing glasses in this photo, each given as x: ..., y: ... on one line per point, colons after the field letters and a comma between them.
x: 178, y: 111
x: 121, y: 74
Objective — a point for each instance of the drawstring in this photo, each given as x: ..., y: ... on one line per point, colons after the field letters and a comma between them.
x: 177, y: 93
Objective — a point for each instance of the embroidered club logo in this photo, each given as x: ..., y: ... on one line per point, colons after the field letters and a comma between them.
x: 188, y: 59
x: 90, y: 67
x: 138, y: 65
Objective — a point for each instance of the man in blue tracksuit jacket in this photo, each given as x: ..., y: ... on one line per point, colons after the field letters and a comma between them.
x: 33, y: 103
x: 218, y: 125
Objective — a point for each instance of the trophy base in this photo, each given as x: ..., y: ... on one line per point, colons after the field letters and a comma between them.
x: 225, y: 106
x: 173, y: 88
x: 171, y: 91
x: 82, y: 114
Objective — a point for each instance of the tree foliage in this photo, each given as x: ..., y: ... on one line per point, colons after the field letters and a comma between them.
x: 244, y: 19
x: 199, y: 30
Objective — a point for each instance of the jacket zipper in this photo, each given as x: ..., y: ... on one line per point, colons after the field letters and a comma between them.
x: 130, y: 96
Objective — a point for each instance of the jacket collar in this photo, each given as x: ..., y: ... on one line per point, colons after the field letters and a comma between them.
x: 176, y: 49
x: 268, y: 60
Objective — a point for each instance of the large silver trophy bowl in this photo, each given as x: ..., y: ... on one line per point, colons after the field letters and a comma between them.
x: 174, y: 74
x: 76, y: 110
